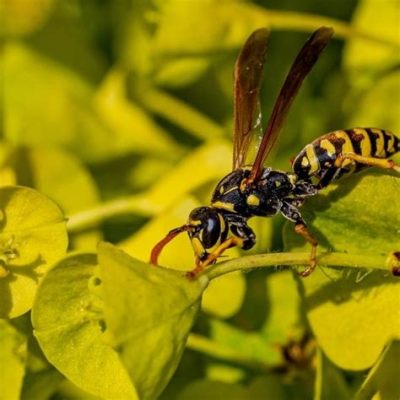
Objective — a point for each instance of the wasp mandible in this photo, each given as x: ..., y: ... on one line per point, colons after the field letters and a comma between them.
x: 255, y: 190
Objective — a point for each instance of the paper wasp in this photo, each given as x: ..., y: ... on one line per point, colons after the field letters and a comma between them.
x: 255, y: 190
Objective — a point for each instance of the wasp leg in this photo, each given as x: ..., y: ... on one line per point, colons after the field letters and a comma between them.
x: 303, y: 231
x: 371, y: 161
x: 326, y: 178
x: 201, y: 265
x: 290, y: 212
x: 304, y: 189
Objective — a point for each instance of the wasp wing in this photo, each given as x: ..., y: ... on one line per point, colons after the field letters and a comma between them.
x: 301, y: 66
x: 247, y: 82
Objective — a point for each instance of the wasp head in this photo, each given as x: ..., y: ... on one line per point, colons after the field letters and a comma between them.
x: 206, y: 228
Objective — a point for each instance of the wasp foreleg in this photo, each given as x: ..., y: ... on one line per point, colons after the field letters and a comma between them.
x: 290, y: 212
x: 201, y: 265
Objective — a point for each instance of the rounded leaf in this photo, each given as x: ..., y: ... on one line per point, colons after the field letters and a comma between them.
x: 69, y: 325
x: 353, y: 313
x: 149, y: 312
x: 32, y: 237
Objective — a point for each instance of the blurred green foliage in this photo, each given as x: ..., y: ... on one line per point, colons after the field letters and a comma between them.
x: 119, y: 115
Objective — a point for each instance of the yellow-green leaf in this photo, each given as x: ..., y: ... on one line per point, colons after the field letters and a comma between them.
x: 58, y: 175
x: 12, y: 360
x: 68, y: 322
x: 149, y: 312
x: 382, y: 381
x: 32, y: 236
x: 353, y: 313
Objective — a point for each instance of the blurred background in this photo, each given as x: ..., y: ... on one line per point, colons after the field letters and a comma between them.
x: 121, y: 112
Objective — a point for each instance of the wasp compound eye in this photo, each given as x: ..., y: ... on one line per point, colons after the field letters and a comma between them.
x: 205, y: 229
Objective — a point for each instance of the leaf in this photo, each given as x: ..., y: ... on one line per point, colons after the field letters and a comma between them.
x: 149, y: 312
x: 212, y: 391
x: 283, y: 300
x: 12, y: 360
x: 21, y: 17
x: 375, y: 107
x: 93, y: 125
x: 267, y: 387
x: 68, y: 323
x: 330, y: 383
x: 41, y: 385
x: 208, y: 163
x: 351, y: 313
x: 382, y: 380
x: 251, y: 345
x: 58, y: 175
x: 382, y: 21
x: 132, y: 128
x: 32, y: 236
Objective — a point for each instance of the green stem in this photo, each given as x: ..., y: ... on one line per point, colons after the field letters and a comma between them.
x: 125, y: 205
x: 217, y: 350
x: 274, y: 259
x: 180, y: 113
x: 309, y: 22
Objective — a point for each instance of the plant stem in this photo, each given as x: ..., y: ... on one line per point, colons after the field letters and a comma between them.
x: 125, y: 205
x: 274, y: 259
x: 180, y: 113
x: 309, y: 22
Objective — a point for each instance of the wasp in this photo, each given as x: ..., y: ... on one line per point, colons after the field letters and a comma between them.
x: 255, y: 190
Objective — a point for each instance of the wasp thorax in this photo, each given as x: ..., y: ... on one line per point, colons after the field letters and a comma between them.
x: 206, y: 226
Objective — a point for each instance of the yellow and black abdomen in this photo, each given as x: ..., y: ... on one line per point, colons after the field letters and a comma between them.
x: 319, y: 160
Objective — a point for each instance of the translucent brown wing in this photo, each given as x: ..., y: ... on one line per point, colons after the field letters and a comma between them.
x: 247, y: 82
x: 302, y: 65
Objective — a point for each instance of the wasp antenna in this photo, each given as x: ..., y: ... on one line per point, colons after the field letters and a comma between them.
x: 155, y: 252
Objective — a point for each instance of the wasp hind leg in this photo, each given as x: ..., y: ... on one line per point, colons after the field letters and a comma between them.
x: 384, y: 163
x: 290, y: 212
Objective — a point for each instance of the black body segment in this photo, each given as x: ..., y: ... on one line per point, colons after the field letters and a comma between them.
x: 263, y: 198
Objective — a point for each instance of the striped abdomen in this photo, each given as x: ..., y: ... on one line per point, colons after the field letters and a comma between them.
x: 318, y: 158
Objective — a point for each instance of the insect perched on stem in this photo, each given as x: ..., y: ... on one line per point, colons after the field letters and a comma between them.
x: 255, y: 190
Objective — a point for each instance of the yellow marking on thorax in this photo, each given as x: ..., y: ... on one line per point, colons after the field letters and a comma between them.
x: 312, y: 159
x: 253, y: 200
x: 224, y: 206
x: 365, y: 143
x: 233, y: 188
x: 327, y: 145
x: 292, y: 178
x: 347, y: 146
x: 380, y: 143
